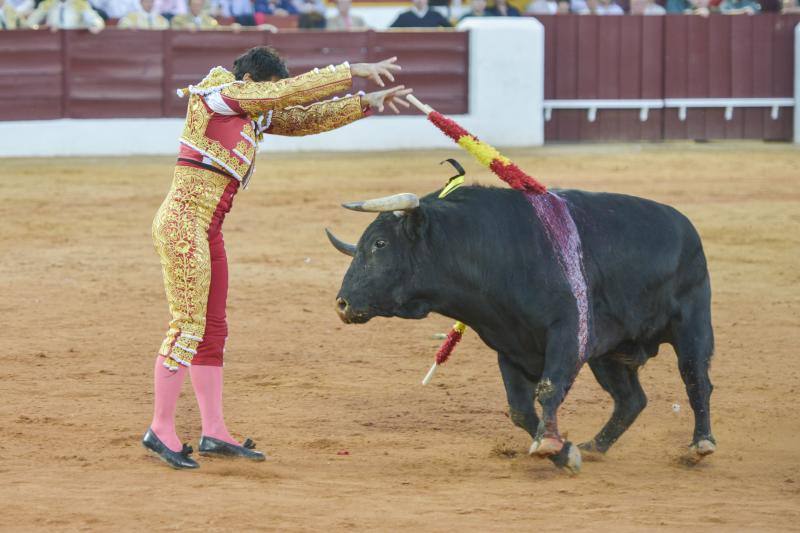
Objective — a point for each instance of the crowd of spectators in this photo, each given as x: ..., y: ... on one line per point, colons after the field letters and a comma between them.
x: 195, y: 15
x: 94, y: 15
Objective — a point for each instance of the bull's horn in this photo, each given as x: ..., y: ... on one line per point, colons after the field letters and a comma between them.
x: 345, y: 248
x: 405, y: 201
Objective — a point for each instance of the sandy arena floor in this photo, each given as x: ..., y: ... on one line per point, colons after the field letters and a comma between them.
x: 83, y: 312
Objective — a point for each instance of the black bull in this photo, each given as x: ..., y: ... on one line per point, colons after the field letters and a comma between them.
x: 482, y: 256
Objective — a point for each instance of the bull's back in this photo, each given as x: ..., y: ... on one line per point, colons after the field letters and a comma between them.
x: 641, y: 258
x: 620, y: 231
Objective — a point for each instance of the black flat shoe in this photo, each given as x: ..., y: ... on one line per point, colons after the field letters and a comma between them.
x: 178, y: 460
x: 218, y: 448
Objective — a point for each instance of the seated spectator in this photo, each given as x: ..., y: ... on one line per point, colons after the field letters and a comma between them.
x: 542, y: 7
x: 147, y: 18
x: 98, y: 9
x: 501, y: 8
x: 219, y: 8
x: 278, y: 8
x: 578, y: 7
x: 242, y: 11
x: 66, y: 15
x: 420, y: 16
x: 115, y: 9
x: 312, y: 13
x: 196, y: 19
x: 688, y: 7
x: 646, y: 7
x: 9, y: 19
x: 23, y: 7
x: 345, y: 20
x: 477, y: 9
x: 790, y: 7
x: 739, y: 7
x: 603, y: 7
x: 170, y: 8
x: 563, y: 7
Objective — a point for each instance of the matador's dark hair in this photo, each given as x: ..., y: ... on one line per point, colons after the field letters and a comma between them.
x: 262, y: 62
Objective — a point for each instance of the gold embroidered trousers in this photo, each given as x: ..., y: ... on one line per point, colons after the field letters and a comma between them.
x: 188, y: 238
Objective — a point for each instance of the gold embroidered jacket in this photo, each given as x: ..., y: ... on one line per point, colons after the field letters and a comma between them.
x: 226, y: 118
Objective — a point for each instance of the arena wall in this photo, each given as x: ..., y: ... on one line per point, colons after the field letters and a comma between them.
x: 515, y: 82
x: 717, y: 77
x: 132, y: 76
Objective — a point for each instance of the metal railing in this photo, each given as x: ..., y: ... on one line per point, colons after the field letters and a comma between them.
x: 681, y: 104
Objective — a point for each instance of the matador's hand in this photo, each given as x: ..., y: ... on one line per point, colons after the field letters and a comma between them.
x: 390, y: 97
x: 374, y: 71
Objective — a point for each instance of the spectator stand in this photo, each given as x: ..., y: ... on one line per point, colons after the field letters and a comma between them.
x: 287, y: 22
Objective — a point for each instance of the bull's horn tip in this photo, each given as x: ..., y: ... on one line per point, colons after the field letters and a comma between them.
x: 353, y: 206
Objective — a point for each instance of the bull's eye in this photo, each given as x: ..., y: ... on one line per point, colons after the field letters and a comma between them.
x: 380, y: 243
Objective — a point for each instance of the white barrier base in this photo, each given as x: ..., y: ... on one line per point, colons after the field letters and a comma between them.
x: 97, y: 137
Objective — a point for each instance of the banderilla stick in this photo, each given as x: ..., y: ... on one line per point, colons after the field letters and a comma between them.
x: 419, y: 105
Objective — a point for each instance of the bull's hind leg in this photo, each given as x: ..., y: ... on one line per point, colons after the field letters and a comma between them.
x: 519, y: 391
x: 622, y: 383
x: 693, y: 340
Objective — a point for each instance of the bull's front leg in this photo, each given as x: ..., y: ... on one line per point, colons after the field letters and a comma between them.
x: 560, y: 370
x: 520, y: 392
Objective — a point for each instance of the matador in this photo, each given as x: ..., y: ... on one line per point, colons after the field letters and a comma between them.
x: 228, y: 114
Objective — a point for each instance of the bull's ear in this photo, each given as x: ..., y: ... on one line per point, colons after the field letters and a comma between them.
x: 415, y: 223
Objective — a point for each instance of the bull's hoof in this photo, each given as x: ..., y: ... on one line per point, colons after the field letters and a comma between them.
x: 703, y: 447
x: 569, y: 458
x: 698, y: 451
x: 546, y: 446
x: 591, y: 451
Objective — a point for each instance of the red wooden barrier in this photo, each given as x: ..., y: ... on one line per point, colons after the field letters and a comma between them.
x: 135, y: 74
x: 435, y: 64
x: 603, y: 58
x: 675, y: 56
x: 122, y: 73
x: 31, y: 75
x: 115, y: 74
x: 725, y: 57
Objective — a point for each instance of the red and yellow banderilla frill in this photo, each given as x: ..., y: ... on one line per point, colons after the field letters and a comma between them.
x: 503, y: 168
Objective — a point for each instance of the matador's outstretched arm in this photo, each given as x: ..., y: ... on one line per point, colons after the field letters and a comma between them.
x: 332, y: 114
x: 324, y: 116
x: 259, y: 97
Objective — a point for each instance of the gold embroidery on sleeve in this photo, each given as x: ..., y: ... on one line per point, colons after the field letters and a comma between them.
x: 259, y: 97
x: 316, y: 118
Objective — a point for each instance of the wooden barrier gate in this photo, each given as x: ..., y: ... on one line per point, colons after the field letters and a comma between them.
x: 669, y: 62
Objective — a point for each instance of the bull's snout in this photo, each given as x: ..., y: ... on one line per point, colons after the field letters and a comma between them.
x: 348, y: 314
x: 342, y: 307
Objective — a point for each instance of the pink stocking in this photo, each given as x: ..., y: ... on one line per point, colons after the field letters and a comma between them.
x: 167, y: 388
x: 207, y: 383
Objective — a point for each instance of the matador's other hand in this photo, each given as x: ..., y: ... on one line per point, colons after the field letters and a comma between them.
x: 374, y: 71
x: 390, y: 97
